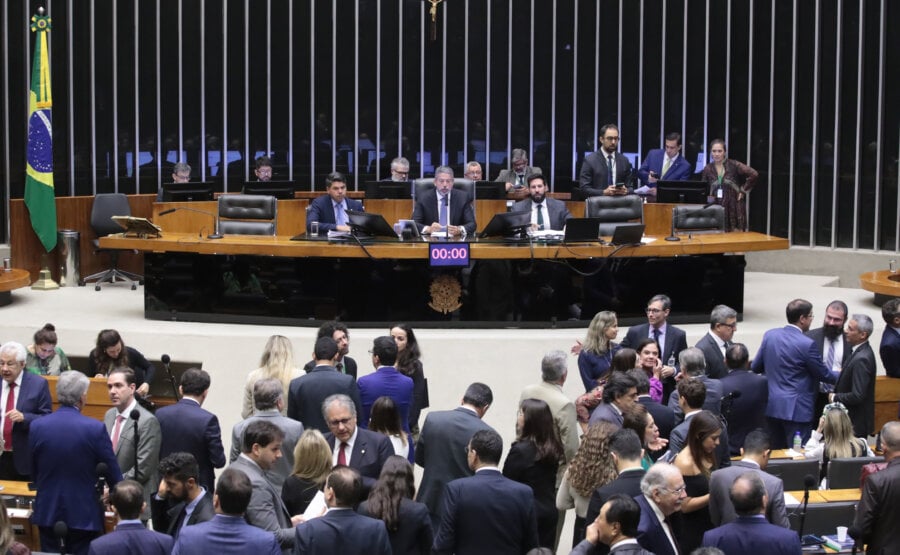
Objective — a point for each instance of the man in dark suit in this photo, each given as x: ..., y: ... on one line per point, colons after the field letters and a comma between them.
x: 331, y: 210
x: 855, y: 386
x: 755, y: 458
x: 619, y: 395
x: 751, y: 534
x: 25, y: 397
x: 691, y: 395
x: 341, y: 529
x: 130, y: 535
x: 351, y: 445
x: 516, y: 178
x: 878, y: 511
x: 386, y: 381
x: 601, y: 171
x: 614, y: 529
x: 546, y: 212
x: 744, y: 396
x: 662, y: 493
x: 671, y: 340
x: 693, y: 366
x: 833, y: 347
x: 181, y: 500
x: 441, y: 449
x: 793, y: 368
x: 137, y: 454
x: 186, y: 427
x: 66, y: 484
x: 663, y: 416
x: 341, y: 335
x: 665, y: 164
x: 486, y: 512
x: 228, y: 533
x: 444, y: 209
x: 890, y: 339
x: 722, y: 325
x: 309, y: 391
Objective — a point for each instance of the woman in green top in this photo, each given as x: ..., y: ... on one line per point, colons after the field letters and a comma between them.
x: 637, y: 418
x: 44, y: 357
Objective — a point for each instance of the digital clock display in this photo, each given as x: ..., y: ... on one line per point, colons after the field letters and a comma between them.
x: 448, y: 254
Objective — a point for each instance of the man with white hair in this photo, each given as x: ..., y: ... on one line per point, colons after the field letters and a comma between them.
x: 25, y: 397
x: 855, y: 387
x: 662, y: 493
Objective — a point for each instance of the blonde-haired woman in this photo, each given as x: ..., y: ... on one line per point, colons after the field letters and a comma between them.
x: 312, y: 464
x: 598, y: 348
x: 277, y: 362
x: 834, y: 439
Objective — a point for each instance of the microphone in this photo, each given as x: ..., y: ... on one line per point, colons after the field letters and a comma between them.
x: 166, y: 359
x: 136, y: 415
x: 60, y: 530
x: 855, y: 533
x: 214, y: 235
x: 809, y: 481
x: 672, y: 236
x: 101, y: 470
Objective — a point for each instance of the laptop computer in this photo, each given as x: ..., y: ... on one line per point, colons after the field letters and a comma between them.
x: 627, y: 235
x: 580, y: 230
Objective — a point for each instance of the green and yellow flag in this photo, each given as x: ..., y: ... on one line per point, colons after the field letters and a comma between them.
x: 39, y: 194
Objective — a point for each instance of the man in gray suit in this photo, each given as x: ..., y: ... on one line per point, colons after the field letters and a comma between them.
x: 516, y: 177
x: 268, y: 398
x: 441, y: 449
x: 260, y: 449
x: 722, y: 325
x: 134, y: 432
x: 546, y: 213
x: 755, y: 458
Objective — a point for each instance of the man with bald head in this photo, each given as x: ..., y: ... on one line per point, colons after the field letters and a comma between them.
x: 878, y: 511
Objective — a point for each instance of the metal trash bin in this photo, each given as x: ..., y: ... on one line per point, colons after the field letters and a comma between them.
x: 68, y: 243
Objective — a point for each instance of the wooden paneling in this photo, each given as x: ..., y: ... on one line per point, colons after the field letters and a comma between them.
x: 887, y: 395
x: 199, y: 217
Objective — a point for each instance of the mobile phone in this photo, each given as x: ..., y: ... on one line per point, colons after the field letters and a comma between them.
x: 620, y: 185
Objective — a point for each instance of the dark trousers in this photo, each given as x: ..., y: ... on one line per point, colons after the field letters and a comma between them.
x: 782, y: 432
x: 8, y: 468
x: 78, y: 542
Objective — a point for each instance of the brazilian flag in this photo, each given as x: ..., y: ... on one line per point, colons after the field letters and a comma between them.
x: 39, y: 194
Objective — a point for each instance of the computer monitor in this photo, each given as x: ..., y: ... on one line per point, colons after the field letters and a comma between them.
x: 506, y: 224
x: 490, y: 190
x: 388, y: 189
x: 682, y: 192
x: 283, y: 190
x: 188, y: 192
x: 366, y: 223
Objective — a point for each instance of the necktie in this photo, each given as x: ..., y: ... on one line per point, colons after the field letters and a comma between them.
x: 7, y: 423
x: 340, y: 217
x: 342, y: 457
x: 340, y: 367
x: 116, y: 431
x: 672, y: 534
x: 444, y: 211
x: 829, y: 358
x: 666, y: 167
x: 656, y: 335
x: 609, y: 170
x: 540, y: 215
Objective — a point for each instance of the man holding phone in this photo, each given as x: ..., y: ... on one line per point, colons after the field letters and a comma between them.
x: 665, y: 164
x: 606, y: 172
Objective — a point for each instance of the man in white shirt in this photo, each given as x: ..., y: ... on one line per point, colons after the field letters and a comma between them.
x: 546, y: 212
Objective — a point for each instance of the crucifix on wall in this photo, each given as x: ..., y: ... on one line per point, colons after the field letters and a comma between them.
x: 433, y: 12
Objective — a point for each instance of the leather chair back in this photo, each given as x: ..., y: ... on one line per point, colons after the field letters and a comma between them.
x: 248, y: 214
x: 459, y: 184
x: 104, y: 207
x: 844, y: 473
x: 614, y: 210
x: 699, y: 218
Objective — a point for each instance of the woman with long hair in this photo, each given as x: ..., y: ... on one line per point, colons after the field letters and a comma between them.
x: 384, y: 418
x: 834, y: 439
x: 277, y: 361
x: 648, y: 360
x: 639, y: 419
x: 696, y: 461
x: 312, y: 464
x: 111, y: 353
x: 624, y: 360
x: 409, y: 364
x: 8, y: 543
x: 592, y: 467
x: 597, y: 349
x: 729, y: 182
x: 391, y: 500
x: 534, y: 459
x: 44, y: 355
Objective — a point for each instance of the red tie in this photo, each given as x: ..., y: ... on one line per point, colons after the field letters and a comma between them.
x: 7, y: 423
x: 116, y: 431
x: 342, y: 458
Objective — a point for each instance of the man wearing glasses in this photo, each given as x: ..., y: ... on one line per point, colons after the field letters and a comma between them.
x: 662, y: 493
x: 671, y: 340
x: 722, y: 325
x: 352, y: 446
x: 606, y: 172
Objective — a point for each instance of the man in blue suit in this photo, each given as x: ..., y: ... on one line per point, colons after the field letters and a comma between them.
x: 130, y: 535
x: 744, y: 393
x: 228, y: 533
x: 352, y: 446
x: 330, y: 210
x: 341, y: 529
x: 385, y: 381
x: 671, y: 340
x: 444, y: 209
x: 66, y: 484
x: 751, y: 533
x: 486, y: 513
x: 890, y: 339
x: 665, y: 164
x: 24, y: 398
x: 662, y: 493
x: 307, y: 392
x: 187, y: 427
x: 793, y: 366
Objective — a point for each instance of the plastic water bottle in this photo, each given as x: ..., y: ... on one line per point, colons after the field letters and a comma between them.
x: 798, y: 441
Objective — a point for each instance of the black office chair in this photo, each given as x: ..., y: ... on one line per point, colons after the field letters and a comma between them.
x: 793, y: 473
x: 614, y: 210
x: 844, y: 473
x: 106, y: 206
x: 699, y: 219
x: 459, y: 184
x: 248, y: 214
x: 824, y: 518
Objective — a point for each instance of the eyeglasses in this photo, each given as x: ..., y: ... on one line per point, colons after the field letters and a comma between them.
x: 652, y: 310
x: 676, y: 491
x: 732, y: 326
x: 340, y: 422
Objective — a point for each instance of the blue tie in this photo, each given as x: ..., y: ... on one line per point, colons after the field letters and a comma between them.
x: 339, y: 215
x: 444, y: 211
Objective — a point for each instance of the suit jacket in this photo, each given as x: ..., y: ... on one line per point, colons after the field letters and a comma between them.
x: 679, y: 170
x: 715, y: 360
x: 487, y: 513
x: 650, y: 534
x: 878, y: 511
x: 414, y: 535
x: 441, y: 451
x: 563, y: 410
x: 426, y: 212
x: 186, y: 426
x: 753, y: 535
x: 678, y: 440
x: 744, y: 414
x: 308, y: 392
x: 509, y: 175
x: 225, y: 535
x: 818, y: 335
x: 585, y: 547
x: 134, y: 539
x: 675, y: 342
x: 33, y: 402
x: 342, y: 531
x: 663, y: 416
x: 556, y: 209
x: 322, y: 210
x: 346, y: 365
x: 65, y: 484
x: 856, y: 389
x: 890, y: 351
x: 793, y: 366
x: 712, y: 402
x: 165, y: 517
x: 370, y: 451
x: 147, y: 450
x: 721, y: 511
x: 292, y: 432
x: 592, y: 180
x: 606, y: 413
x: 266, y: 509
x: 628, y: 483
x: 385, y: 381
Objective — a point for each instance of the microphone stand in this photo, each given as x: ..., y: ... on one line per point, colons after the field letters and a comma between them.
x: 171, y: 378
x: 214, y: 235
x: 135, y: 415
x: 672, y: 236
x: 806, y: 486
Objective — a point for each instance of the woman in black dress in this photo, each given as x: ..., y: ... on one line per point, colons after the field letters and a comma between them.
x: 111, y: 353
x: 729, y: 182
x: 312, y: 464
x: 696, y: 462
x: 533, y: 460
x: 408, y: 364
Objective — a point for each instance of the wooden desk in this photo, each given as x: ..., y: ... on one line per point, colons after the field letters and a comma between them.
x: 97, y: 397
x: 828, y: 495
x: 882, y: 282
x: 13, y: 279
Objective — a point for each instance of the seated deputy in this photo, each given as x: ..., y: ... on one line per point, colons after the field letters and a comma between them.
x: 447, y: 209
x: 331, y: 210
